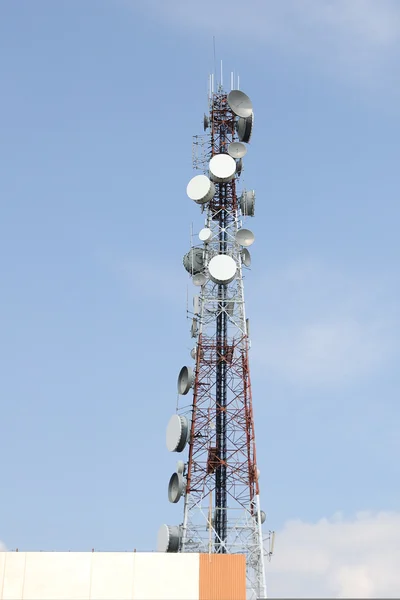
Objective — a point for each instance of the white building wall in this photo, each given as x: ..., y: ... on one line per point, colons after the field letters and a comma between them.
x: 166, y: 576
x: 98, y: 576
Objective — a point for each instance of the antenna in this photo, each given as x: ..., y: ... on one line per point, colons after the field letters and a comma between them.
x: 218, y: 483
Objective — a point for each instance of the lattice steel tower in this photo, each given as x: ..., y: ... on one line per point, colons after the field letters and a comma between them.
x: 219, y: 480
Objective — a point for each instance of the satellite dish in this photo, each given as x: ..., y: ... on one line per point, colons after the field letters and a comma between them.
x: 245, y: 237
x: 245, y: 128
x: 176, y: 487
x: 193, y: 261
x: 200, y: 189
x: 247, y: 202
x: 222, y: 269
x: 205, y: 234
x: 185, y: 380
x: 222, y: 168
x: 177, y: 433
x: 168, y: 539
x: 246, y: 257
x: 180, y: 466
x: 199, y: 279
x: 237, y: 150
x: 240, y: 103
x: 193, y: 353
x: 263, y: 516
x: 239, y: 167
x: 205, y: 122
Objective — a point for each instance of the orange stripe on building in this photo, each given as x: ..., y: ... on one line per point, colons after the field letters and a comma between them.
x: 222, y: 577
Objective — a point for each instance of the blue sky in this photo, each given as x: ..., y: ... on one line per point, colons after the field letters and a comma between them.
x: 99, y: 101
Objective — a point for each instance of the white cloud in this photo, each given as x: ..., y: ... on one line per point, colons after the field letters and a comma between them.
x: 337, y: 558
x: 323, y: 327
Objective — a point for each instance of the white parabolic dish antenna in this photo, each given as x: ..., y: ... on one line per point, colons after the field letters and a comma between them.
x: 205, y: 234
x: 168, y: 538
x: 240, y: 103
x: 185, y: 380
x: 245, y: 237
x: 176, y: 487
x: 222, y: 269
x: 222, y: 168
x: 199, y: 279
x: 200, y: 189
x: 177, y: 433
x: 246, y: 257
x: 237, y: 150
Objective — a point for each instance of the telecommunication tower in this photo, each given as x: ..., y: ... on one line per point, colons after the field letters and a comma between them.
x: 219, y: 480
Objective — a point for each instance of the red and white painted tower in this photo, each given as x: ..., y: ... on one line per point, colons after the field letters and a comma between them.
x: 218, y: 479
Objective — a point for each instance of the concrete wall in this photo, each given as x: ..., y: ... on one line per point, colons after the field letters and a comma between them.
x: 120, y: 575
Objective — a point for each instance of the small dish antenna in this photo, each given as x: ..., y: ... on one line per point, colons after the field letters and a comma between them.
x: 200, y: 189
x: 239, y: 167
x: 222, y: 269
x: 245, y: 128
x: 237, y: 150
x: 193, y: 353
x: 177, y: 433
x: 185, y: 380
x: 245, y: 237
x: 247, y: 203
x: 205, y: 122
x: 168, y: 538
x: 240, y: 103
x: 199, y: 279
x: 263, y: 516
x: 176, y: 487
x: 205, y: 234
x: 222, y: 168
x: 246, y: 257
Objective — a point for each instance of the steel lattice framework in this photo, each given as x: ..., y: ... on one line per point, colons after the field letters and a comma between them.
x: 221, y: 489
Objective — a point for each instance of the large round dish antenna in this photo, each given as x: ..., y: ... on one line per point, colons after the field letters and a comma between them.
x: 177, y: 433
x: 193, y: 261
x: 199, y: 279
x: 185, y: 380
x: 222, y: 269
x: 247, y: 203
x: 245, y: 128
x: 176, y: 487
x: 246, y: 257
x: 245, y: 237
x: 205, y: 234
x: 237, y: 150
x: 222, y: 168
x: 168, y: 538
x: 200, y: 189
x: 240, y: 103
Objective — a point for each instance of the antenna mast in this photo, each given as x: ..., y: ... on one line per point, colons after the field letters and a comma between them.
x: 219, y: 481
